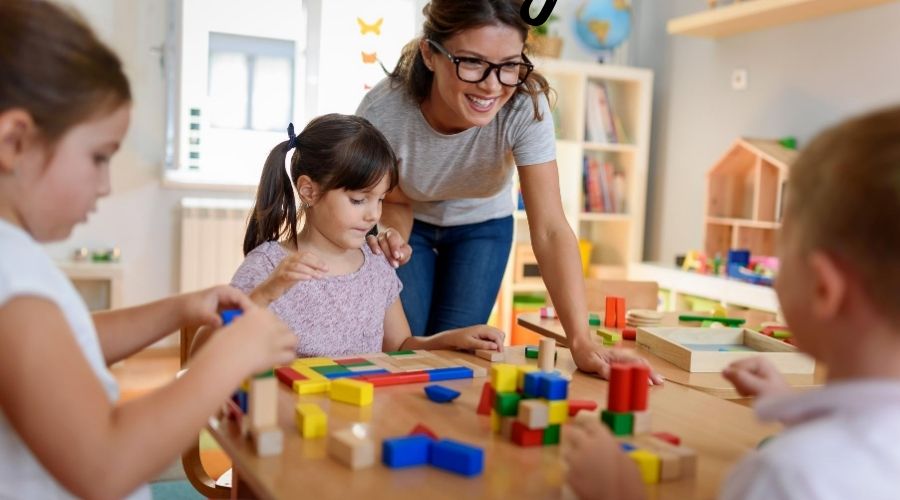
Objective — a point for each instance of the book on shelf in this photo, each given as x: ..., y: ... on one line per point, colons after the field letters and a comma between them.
x: 603, y: 187
x: 602, y: 124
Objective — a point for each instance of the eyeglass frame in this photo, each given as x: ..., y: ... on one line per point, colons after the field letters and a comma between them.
x: 491, y: 66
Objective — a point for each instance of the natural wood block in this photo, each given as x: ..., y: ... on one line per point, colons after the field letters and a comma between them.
x: 263, y: 402
x: 547, y: 355
x: 490, y: 355
x: 267, y: 441
x: 356, y: 452
x: 641, y: 422
x: 534, y: 413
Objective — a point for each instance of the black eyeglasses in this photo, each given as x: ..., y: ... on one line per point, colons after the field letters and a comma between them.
x: 475, y: 70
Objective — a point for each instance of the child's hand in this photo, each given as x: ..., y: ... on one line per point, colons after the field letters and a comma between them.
x: 596, y: 466
x: 591, y: 358
x: 474, y: 337
x: 756, y: 376
x: 297, y: 266
x: 203, y: 307
x: 256, y: 339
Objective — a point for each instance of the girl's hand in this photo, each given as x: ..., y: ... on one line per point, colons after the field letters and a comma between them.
x: 297, y: 266
x: 391, y: 244
x: 756, y: 377
x: 474, y: 337
x: 591, y: 358
x: 256, y: 340
x: 596, y: 466
x: 203, y: 307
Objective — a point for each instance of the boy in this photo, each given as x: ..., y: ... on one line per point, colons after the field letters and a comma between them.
x: 839, y: 289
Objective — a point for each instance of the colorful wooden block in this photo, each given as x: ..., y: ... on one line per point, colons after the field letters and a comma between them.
x: 629, y: 333
x: 396, y: 378
x: 531, y: 352
x: 668, y: 437
x: 619, y: 388
x: 648, y: 465
x: 287, y: 375
x: 576, y: 405
x: 534, y: 413
x: 546, y: 355
x: 523, y: 436
x: 558, y: 412
x: 262, y: 401
x: 507, y: 403
x: 440, y: 394
x: 490, y: 355
x: 311, y: 362
x: 620, y: 424
x: 311, y: 386
x: 311, y: 421
x: 352, y: 361
x: 424, y: 431
x: 477, y: 371
x: 240, y: 399
x: 486, y: 402
x: 609, y: 336
x: 455, y: 373
x: 457, y: 457
x: 523, y: 370
x: 406, y: 451
x: 552, y: 434
x: 308, y: 372
x: 594, y: 319
x: 531, y: 385
x: 401, y: 353
x: 687, y: 456
x: 352, y: 450
x: 640, y: 386
x: 609, y: 314
x: 640, y: 422
x: 495, y: 421
x: 553, y: 387
x: 620, y: 312
x: 355, y: 392
x: 503, y: 377
x: 267, y: 441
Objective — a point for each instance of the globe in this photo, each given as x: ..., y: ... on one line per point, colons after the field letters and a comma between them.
x: 603, y: 24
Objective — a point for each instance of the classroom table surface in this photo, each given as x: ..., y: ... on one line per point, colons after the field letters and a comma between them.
x: 720, y: 432
x: 711, y: 383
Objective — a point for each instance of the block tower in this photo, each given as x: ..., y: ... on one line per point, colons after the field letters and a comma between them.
x: 626, y: 409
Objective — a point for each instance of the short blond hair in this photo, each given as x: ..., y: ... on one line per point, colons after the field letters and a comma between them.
x: 844, y: 198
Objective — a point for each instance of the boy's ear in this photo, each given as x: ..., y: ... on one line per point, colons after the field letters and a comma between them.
x: 831, y: 286
x: 308, y: 190
x: 16, y: 127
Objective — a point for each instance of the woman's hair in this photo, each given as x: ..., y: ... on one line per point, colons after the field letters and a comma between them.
x: 335, y: 151
x: 53, y: 66
x: 844, y: 198
x: 446, y: 18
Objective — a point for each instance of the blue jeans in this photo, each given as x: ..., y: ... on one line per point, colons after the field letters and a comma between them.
x: 454, y: 274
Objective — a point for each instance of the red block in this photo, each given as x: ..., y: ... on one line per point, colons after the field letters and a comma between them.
x: 350, y: 361
x: 640, y: 386
x: 487, y: 399
x: 523, y: 436
x: 620, y: 312
x: 609, y: 316
x: 665, y: 436
x: 287, y: 375
x: 619, y: 388
x: 395, y: 378
x: 425, y: 431
x: 576, y: 405
x: 629, y: 333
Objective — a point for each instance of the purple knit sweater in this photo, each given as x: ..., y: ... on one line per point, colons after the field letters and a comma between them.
x: 332, y: 316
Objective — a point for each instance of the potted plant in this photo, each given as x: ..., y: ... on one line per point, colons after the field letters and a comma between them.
x: 542, y: 42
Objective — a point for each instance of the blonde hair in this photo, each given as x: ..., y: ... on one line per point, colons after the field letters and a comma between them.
x: 844, y: 198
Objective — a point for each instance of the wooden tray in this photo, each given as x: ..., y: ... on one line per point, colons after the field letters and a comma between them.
x: 712, y: 349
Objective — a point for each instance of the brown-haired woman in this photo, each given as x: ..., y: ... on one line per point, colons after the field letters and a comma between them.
x: 462, y: 109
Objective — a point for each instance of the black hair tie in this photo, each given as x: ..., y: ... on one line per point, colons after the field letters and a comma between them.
x: 292, y: 139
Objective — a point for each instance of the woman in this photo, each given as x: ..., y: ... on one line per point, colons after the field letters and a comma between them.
x: 462, y: 109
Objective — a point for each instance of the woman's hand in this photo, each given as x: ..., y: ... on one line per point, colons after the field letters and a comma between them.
x: 756, y: 377
x: 297, y: 266
x: 591, y: 358
x: 390, y: 243
x: 203, y: 307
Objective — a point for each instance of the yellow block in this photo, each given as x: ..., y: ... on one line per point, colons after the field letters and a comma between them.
x: 648, y: 464
x: 503, y: 377
x: 558, y: 412
x: 522, y: 371
x: 355, y: 392
x: 309, y: 373
x: 495, y: 422
x: 310, y: 362
x: 311, y: 386
x: 312, y: 422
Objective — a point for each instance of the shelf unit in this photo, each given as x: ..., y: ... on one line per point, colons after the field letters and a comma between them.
x: 754, y: 15
x: 98, y: 283
x: 744, y: 196
x: 617, y: 239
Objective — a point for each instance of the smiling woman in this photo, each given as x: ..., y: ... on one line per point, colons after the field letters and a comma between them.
x: 462, y: 110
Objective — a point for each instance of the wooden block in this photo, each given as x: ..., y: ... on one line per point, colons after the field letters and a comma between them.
x: 486, y: 402
x: 385, y: 363
x: 506, y: 424
x: 523, y: 436
x: 311, y: 362
x: 668, y: 437
x: 311, y: 421
x: 309, y: 373
x: 547, y: 355
x: 641, y: 422
x: 396, y: 378
x: 687, y: 456
x: 267, y: 441
x: 523, y: 370
x: 620, y: 312
x: 640, y: 386
x: 351, y: 450
x: 355, y: 392
x: 287, y: 375
x: 490, y: 355
x: 351, y: 361
x: 534, y: 413
x: 477, y: 371
x: 423, y: 430
x: 648, y: 464
x: 503, y: 377
x: 609, y: 314
x: 577, y: 405
x: 262, y: 404
x: 495, y: 421
x: 312, y: 386
x: 558, y: 412
x: 619, y: 400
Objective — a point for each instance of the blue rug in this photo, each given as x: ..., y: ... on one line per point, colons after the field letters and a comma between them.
x: 174, y: 490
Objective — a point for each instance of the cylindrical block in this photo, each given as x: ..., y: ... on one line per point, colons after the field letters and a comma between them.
x: 546, y: 355
x: 640, y: 385
x: 619, y: 388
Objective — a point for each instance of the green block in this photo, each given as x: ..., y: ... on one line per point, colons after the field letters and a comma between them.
x: 620, y: 424
x: 266, y: 374
x: 551, y: 434
x: 329, y: 369
x: 609, y: 335
x: 733, y: 322
x: 506, y: 404
x: 781, y: 334
x: 400, y: 353
x: 364, y: 363
x: 531, y: 352
x: 594, y: 319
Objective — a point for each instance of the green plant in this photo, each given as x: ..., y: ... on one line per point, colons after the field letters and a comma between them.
x: 544, y: 29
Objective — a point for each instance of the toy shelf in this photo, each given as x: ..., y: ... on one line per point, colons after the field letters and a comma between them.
x: 747, y: 16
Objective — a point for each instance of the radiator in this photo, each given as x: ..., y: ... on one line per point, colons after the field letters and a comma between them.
x: 212, y: 239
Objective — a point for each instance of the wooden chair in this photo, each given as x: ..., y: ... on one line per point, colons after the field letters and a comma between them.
x: 637, y: 294
x: 190, y: 459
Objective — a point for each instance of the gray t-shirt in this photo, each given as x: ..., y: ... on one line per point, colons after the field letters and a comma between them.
x: 466, y: 177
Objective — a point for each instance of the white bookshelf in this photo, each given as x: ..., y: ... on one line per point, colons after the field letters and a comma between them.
x: 617, y: 238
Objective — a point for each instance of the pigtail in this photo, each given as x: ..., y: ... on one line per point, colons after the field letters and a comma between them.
x: 275, y: 213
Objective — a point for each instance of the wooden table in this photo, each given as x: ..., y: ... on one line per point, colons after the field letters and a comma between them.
x: 711, y: 383
x: 720, y: 431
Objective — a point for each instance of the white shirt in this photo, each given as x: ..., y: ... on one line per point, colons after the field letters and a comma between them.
x: 27, y: 270
x: 841, y: 442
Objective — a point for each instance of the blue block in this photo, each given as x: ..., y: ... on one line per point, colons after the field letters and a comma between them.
x: 440, y: 394
x: 457, y: 372
x: 457, y: 457
x: 626, y: 447
x: 406, y: 451
x: 554, y: 387
x: 336, y: 375
x: 240, y: 398
x: 532, y: 386
x: 228, y: 315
